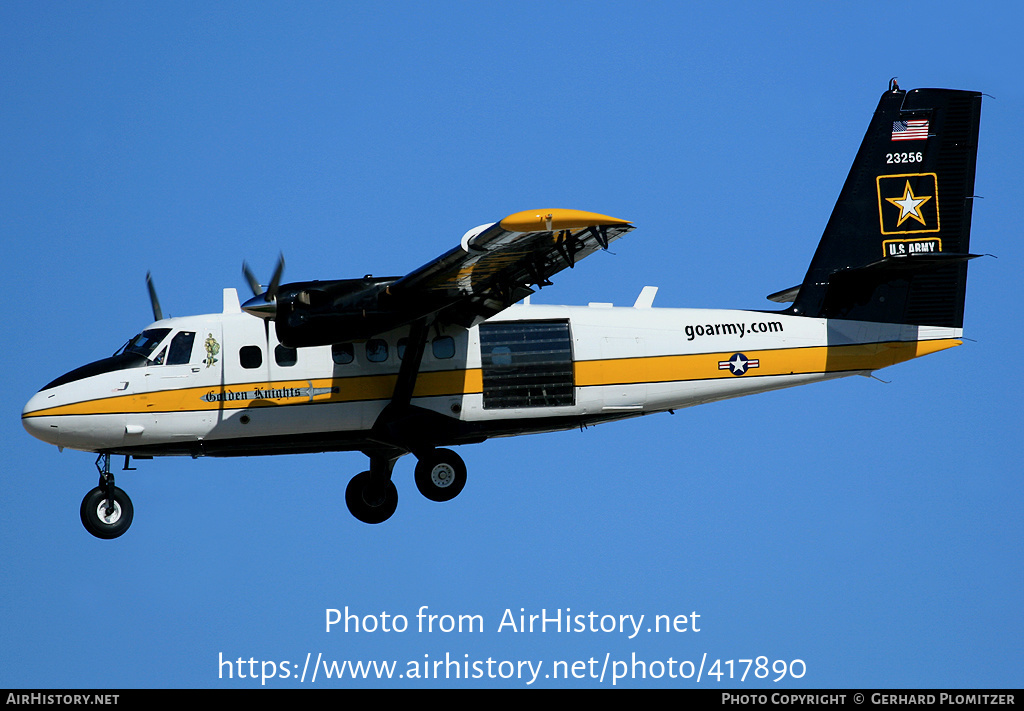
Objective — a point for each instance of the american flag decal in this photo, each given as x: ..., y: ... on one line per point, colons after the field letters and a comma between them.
x: 914, y: 130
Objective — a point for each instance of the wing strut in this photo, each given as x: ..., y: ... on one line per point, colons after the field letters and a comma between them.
x: 393, y: 427
x: 410, y: 368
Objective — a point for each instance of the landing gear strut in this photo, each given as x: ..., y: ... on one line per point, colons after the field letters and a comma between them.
x: 106, y: 510
x: 371, y: 496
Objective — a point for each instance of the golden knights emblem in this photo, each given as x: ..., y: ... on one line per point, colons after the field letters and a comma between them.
x: 212, y: 349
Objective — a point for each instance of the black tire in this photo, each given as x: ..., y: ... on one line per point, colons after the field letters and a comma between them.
x: 368, y: 501
x: 102, y: 524
x: 440, y: 475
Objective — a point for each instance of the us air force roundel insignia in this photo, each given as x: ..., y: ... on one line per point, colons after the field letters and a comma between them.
x: 908, y: 203
x: 738, y: 364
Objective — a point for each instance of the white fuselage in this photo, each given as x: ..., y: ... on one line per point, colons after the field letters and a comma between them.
x: 241, y: 393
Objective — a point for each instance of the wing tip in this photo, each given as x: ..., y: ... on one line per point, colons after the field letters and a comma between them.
x: 557, y: 219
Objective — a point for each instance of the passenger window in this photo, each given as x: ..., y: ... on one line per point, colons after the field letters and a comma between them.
x: 443, y: 347
x: 180, y: 352
x: 401, y: 347
x: 286, y: 357
x: 376, y: 350
x: 250, y: 356
x: 342, y: 353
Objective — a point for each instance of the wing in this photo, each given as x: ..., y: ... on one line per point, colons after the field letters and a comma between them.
x: 493, y: 267
x: 497, y: 265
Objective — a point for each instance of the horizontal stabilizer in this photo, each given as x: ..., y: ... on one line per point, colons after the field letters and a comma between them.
x: 786, y: 296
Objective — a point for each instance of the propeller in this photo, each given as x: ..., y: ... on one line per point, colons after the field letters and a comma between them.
x: 158, y: 313
x: 263, y: 303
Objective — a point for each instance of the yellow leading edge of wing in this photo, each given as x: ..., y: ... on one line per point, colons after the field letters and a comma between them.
x: 556, y: 219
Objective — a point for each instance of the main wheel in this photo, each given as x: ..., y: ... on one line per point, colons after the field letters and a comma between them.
x: 371, y: 501
x: 105, y: 519
x: 440, y: 475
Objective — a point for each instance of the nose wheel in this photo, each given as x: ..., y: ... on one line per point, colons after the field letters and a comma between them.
x: 106, y: 510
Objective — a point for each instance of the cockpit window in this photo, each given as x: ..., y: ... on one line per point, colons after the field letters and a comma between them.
x: 181, y: 348
x: 136, y: 353
x: 145, y: 343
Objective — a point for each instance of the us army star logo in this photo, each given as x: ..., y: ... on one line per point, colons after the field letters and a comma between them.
x: 908, y: 203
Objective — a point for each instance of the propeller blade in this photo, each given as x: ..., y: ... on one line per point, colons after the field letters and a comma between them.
x: 275, y: 280
x: 158, y: 313
x: 263, y: 304
x: 254, y: 283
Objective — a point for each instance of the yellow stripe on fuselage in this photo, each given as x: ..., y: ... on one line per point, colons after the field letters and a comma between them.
x: 786, y: 361
x: 589, y: 373
x: 286, y: 392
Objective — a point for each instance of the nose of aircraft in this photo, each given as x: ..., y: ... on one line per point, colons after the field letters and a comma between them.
x: 39, y: 426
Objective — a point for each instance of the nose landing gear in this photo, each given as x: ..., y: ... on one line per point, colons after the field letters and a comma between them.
x: 106, y: 510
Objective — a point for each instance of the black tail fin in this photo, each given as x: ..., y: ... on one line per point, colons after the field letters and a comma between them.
x: 895, y: 249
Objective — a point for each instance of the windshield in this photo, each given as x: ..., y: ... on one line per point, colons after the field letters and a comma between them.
x: 145, y: 343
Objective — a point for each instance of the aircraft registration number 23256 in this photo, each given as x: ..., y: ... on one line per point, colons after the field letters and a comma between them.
x: 915, y: 157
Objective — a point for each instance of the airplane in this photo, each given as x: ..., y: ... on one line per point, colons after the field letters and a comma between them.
x: 454, y: 353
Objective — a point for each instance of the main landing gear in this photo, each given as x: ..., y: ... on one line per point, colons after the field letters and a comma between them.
x: 371, y: 496
x: 440, y: 473
x: 106, y: 510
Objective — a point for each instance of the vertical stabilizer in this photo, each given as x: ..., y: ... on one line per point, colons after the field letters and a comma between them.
x: 895, y: 249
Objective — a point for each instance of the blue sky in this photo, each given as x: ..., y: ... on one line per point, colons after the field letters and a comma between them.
x: 871, y: 530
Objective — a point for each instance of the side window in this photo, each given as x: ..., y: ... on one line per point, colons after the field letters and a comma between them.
x: 376, y: 350
x: 250, y: 356
x: 342, y: 353
x: 180, y: 352
x: 286, y: 356
x: 400, y: 347
x: 443, y: 347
